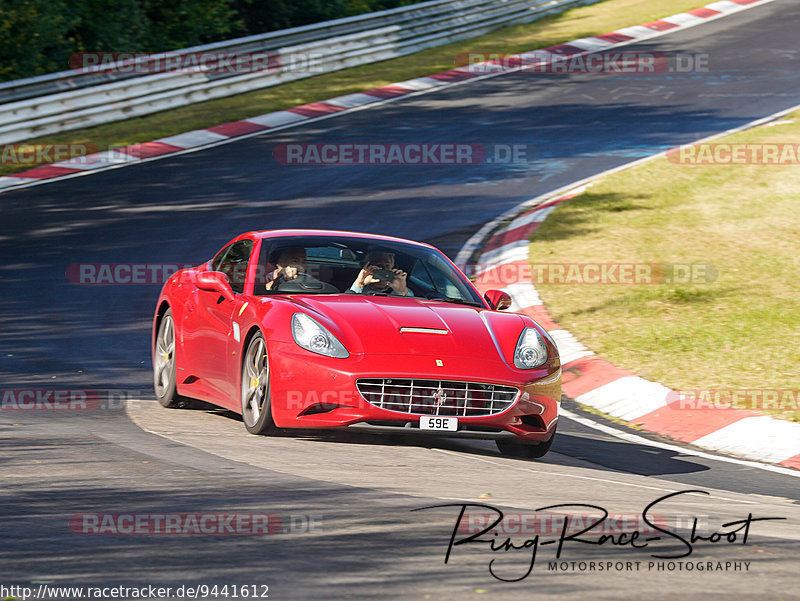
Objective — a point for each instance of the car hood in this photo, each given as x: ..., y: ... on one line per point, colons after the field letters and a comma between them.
x: 392, y: 325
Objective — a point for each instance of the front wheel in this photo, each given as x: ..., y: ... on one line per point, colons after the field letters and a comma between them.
x: 256, y: 410
x: 525, y: 450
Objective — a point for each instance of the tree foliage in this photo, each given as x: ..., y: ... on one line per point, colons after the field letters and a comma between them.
x: 39, y: 36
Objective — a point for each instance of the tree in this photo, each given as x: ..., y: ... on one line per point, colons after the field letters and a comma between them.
x: 33, y: 37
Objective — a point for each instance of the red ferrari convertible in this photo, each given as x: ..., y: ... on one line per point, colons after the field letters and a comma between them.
x: 325, y: 329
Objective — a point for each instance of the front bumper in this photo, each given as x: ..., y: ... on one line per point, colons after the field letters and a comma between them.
x: 312, y: 391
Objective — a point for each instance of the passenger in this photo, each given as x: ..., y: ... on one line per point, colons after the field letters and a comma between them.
x: 367, y: 283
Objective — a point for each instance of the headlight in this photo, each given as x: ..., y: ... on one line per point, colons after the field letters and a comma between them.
x: 531, y: 351
x: 314, y: 337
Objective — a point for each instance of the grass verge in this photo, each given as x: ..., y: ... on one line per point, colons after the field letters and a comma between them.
x: 739, y: 332
x: 573, y: 24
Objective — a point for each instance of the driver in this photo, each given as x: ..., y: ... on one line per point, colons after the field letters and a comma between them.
x: 291, y: 261
x: 367, y: 283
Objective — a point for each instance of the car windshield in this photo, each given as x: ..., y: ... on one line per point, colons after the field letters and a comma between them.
x: 332, y: 265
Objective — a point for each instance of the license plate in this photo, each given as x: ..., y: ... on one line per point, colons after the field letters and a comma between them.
x: 434, y: 422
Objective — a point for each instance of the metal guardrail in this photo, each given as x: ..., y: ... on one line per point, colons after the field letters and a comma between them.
x: 85, y: 97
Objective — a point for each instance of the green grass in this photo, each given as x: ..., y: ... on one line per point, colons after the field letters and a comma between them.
x: 741, y: 331
x: 576, y: 23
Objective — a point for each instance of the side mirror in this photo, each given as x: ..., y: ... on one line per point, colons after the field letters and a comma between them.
x: 498, y: 299
x: 214, y: 281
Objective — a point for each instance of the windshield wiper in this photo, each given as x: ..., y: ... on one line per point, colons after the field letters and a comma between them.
x: 459, y: 301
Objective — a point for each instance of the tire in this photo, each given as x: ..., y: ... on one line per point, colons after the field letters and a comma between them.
x: 165, y: 379
x: 255, y: 388
x: 525, y: 450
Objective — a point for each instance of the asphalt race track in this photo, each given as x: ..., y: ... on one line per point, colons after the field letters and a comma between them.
x: 346, y: 499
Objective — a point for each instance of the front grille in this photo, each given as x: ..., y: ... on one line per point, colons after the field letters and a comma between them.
x: 437, y: 397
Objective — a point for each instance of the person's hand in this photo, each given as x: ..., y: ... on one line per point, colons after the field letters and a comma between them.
x: 365, y: 276
x: 288, y: 273
x: 398, y: 284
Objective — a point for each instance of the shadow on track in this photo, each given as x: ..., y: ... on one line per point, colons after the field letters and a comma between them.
x: 616, y: 455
